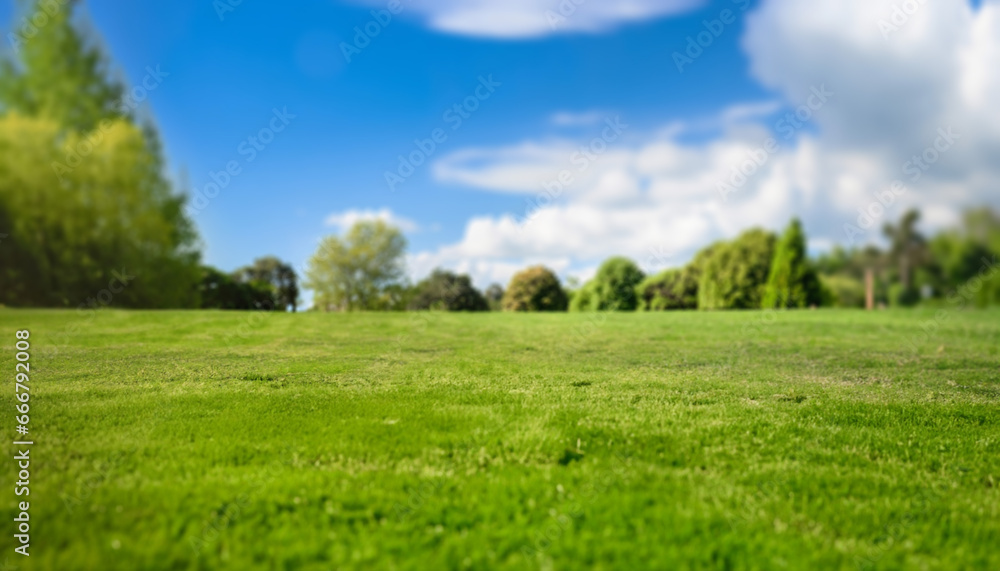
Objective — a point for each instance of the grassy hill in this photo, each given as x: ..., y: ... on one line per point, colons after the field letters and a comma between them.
x: 756, y: 440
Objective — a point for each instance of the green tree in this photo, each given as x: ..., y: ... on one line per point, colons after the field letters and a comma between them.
x: 843, y: 291
x: 220, y: 290
x: 958, y: 259
x: 982, y: 226
x: 83, y: 194
x: 674, y: 288
x: 534, y: 289
x: 58, y: 73
x: 736, y: 273
x: 444, y: 290
x: 494, y: 297
x: 359, y: 271
x: 279, y: 276
x: 908, y: 251
x: 613, y: 288
x: 792, y: 282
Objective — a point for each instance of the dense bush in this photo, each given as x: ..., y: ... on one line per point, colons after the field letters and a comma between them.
x: 792, y: 282
x: 277, y: 275
x: 903, y: 296
x: 669, y: 289
x: 222, y: 291
x: 612, y: 289
x: 494, y: 297
x: 444, y: 290
x: 736, y: 272
x: 843, y: 291
x: 674, y: 288
x: 534, y: 289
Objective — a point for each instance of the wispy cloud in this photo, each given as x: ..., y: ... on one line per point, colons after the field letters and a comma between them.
x: 523, y: 19
x: 346, y: 219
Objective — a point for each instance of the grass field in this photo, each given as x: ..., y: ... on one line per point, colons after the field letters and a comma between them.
x: 757, y: 440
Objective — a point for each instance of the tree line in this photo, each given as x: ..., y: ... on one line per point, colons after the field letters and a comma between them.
x: 364, y: 271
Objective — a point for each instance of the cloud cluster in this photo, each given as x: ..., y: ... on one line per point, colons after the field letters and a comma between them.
x: 900, y: 72
x: 522, y: 19
x: 344, y: 220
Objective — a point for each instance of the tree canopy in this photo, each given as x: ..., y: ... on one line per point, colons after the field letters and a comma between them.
x: 736, y: 273
x: 448, y: 291
x: 83, y: 193
x: 279, y: 277
x: 359, y: 271
x: 613, y: 288
x: 792, y: 282
x: 534, y: 289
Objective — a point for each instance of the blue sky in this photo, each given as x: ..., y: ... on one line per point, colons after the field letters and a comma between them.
x: 652, y: 193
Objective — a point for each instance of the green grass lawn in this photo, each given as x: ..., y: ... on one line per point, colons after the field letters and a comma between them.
x: 756, y: 440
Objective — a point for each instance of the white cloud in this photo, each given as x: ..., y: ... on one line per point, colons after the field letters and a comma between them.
x: 344, y: 220
x: 654, y: 197
x: 520, y: 19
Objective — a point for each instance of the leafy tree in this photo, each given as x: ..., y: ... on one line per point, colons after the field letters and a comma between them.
x: 278, y: 276
x: 982, y: 226
x: 908, y: 251
x: 494, y: 296
x: 792, y: 281
x: 843, y: 291
x: 613, y: 288
x: 534, y: 289
x: 674, y: 288
x: 448, y: 291
x: 962, y: 255
x: 83, y: 195
x: 736, y: 273
x: 360, y: 270
x: 959, y: 258
x: 670, y: 289
x: 223, y: 291
x: 395, y: 297
x: 55, y: 72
